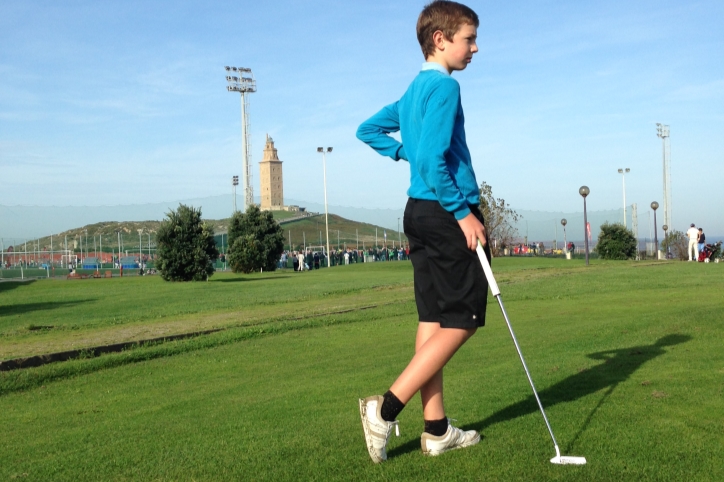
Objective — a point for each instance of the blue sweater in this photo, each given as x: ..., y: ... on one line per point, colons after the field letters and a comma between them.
x: 430, y: 119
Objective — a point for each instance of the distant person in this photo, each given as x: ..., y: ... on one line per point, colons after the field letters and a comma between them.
x: 300, y: 257
x: 693, y: 234
x: 295, y: 262
x: 701, y: 240
x: 316, y: 260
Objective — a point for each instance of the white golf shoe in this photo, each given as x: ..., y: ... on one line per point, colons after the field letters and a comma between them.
x: 454, y: 438
x: 377, y: 431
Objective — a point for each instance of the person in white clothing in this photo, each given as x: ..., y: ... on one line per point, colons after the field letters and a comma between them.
x: 300, y: 257
x: 693, y: 235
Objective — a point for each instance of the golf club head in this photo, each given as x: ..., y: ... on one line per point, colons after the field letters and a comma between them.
x: 567, y: 460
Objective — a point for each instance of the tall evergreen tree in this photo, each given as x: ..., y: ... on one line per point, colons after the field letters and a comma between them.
x: 256, y: 241
x: 186, y: 247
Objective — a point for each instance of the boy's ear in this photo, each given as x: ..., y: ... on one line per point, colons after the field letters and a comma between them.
x: 438, y: 39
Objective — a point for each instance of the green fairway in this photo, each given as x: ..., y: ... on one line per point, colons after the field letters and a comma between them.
x: 626, y: 356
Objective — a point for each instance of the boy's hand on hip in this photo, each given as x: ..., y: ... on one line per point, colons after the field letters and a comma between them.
x: 473, y: 230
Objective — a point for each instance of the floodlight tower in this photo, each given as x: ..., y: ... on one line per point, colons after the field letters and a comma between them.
x: 623, y: 173
x: 662, y: 131
x: 244, y: 84
x: 234, y: 183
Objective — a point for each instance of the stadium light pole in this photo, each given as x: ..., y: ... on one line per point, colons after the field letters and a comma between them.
x: 234, y: 183
x: 584, y: 192
x: 655, y: 206
x: 326, y: 212
x: 565, y: 240
x: 399, y: 236
x: 244, y: 85
x: 623, y: 173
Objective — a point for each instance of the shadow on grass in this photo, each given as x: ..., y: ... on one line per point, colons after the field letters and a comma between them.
x: 30, y: 307
x: 236, y: 280
x: 618, y: 365
x: 11, y: 285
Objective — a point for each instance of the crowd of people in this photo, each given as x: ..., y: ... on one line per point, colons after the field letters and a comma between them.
x: 311, y: 259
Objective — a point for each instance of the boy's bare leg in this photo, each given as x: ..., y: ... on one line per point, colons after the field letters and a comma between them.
x: 435, y: 346
x: 433, y: 407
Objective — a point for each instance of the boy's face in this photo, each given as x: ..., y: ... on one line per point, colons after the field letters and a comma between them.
x: 457, y: 53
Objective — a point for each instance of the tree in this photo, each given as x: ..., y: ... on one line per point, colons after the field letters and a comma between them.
x: 186, y: 247
x: 676, y: 242
x: 616, y: 242
x: 499, y: 219
x: 256, y: 241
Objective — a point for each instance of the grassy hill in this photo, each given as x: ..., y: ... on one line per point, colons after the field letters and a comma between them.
x: 112, y: 233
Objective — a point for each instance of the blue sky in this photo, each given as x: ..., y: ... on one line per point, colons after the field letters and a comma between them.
x: 108, y: 103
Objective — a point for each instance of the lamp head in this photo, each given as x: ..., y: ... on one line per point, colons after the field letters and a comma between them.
x: 329, y: 149
x: 564, y: 222
x: 665, y: 227
x: 584, y: 191
x: 628, y: 170
x: 320, y: 149
x: 654, y: 205
x: 620, y: 171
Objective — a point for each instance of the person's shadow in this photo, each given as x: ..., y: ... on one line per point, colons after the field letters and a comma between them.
x: 618, y: 365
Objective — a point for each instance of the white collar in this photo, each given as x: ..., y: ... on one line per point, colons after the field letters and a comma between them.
x: 434, y: 66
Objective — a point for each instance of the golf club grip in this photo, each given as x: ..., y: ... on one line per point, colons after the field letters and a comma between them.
x: 487, y: 270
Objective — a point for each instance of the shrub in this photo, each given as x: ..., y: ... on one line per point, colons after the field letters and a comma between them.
x: 256, y: 241
x: 615, y: 242
x: 186, y: 248
x: 678, y: 243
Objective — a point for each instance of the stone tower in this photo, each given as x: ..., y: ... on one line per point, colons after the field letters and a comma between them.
x: 272, y: 184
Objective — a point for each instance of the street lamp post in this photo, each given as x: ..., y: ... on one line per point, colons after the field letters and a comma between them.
x: 326, y: 213
x: 140, y: 249
x: 623, y: 173
x: 565, y: 239
x: 584, y: 192
x: 655, y: 206
x: 665, y: 227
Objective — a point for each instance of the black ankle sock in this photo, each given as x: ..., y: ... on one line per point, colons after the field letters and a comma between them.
x: 436, y: 427
x: 391, y: 407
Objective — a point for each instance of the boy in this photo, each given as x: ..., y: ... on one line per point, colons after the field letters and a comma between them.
x: 442, y: 222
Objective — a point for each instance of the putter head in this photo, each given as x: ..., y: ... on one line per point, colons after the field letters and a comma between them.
x: 568, y: 460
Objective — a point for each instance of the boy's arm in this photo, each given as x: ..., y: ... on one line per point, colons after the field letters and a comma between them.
x: 375, y: 132
x: 437, y: 130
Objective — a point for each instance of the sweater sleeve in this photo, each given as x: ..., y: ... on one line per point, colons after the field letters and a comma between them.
x: 438, y: 124
x: 375, y: 132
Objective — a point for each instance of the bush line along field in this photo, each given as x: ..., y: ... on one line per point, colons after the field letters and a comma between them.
x: 626, y: 356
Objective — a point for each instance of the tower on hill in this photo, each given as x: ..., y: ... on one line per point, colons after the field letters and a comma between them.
x: 271, y: 179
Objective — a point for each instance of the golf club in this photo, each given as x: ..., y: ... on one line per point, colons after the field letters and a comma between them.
x: 558, y: 459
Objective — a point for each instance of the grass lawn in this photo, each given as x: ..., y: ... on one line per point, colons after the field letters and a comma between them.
x: 627, y: 358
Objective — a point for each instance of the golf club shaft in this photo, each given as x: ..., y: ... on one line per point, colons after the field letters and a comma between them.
x: 496, y: 292
x: 527, y: 373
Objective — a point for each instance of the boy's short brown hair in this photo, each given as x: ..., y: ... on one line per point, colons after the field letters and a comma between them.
x: 445, y: 16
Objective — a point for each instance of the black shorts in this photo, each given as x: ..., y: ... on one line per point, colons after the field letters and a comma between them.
x: 450, y: 285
